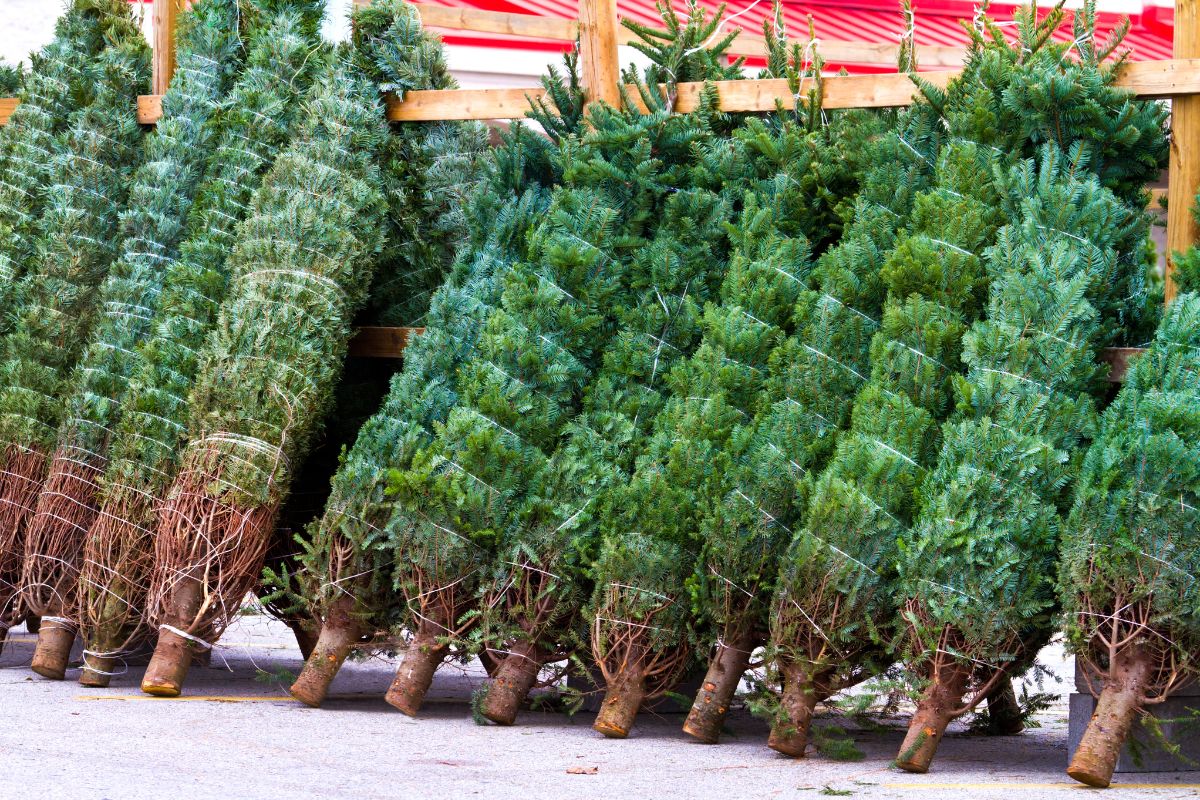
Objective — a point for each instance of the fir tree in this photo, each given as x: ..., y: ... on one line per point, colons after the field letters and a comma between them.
x: 250, y: 130
x: 977, y: 568
x: 832, y: 612
x: 60, y: 81
x: 346, y: 578
x: 12, y: 76
x: 263, y: 389
x: 112, y: 318
x: 1129, y: 555
x: 75, y: 243
x: 642, y: 625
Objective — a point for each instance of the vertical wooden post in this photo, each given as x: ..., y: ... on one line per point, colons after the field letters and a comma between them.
x: 1182, y: 231
x: 598, y: 60
x: 165, y: 12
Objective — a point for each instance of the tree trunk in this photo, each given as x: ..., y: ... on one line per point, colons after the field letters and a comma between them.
x: 421, y: 660
x: 622, y: 701
x: 729, y: 663
x: 306, y: 640
x: 53, y: 650
x: 1004, y: 712
x: 1119, y: 704
x: 97, y: 671
x: 798, y: 699
x: 3, y: 637
x: 934, y: 713
x: 33, y: 623
x: 173, y: 655
x: 512, y: 682
x: 339, y: 634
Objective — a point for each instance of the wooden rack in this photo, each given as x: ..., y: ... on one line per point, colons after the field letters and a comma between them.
x: 599, y: 35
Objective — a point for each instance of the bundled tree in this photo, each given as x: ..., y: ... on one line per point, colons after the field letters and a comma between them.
x: 346, y: 566
x: 264, y: 388
x: 541, y: 347
x: 1129, y: 553
x: 640, y: 615
x: 788, y: 176
x: 252, y: 127
x: 977, y: 568
x: 60, y: 81
x: 116, y: 317
x: 76, y: 242
x: 12, y: 76
x: 429, y: 173
x: 832, y: 612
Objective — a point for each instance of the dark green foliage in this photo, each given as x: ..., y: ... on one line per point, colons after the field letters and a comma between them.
x: 978, y: 565
x: 76, y: 241
x: 1130, y: 555
x: 12, y: 76
x: 152, y: 227
x: 61, y: 79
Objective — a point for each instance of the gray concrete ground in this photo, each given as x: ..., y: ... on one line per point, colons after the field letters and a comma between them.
x: 235, y: 736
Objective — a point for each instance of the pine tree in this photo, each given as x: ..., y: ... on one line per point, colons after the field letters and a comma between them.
x: 346, y: 570
x: 977, y: 568
x: 642, y: 623
x: 252, y: 127
x: 60, y: 81
x: 787, y: 174
x: 268, y: 375
x: 12, y: 77
x: 832, y: 610
x: 75, y: 243
x: 1129, y: 555
x: 114, y: 314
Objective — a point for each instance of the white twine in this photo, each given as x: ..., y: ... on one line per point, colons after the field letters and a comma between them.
x: 182, y: 634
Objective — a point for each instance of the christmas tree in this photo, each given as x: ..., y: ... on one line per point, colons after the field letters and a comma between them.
x: 76, y: 239
x: 1129, y: 555
x: 258, y: 117
x: 60, y: 81
x: 539, y: 348
x: 112, y: 318
x: 640, y: 612
x: 976, y: 571
x: 271, y: 366
x: 835, y: 603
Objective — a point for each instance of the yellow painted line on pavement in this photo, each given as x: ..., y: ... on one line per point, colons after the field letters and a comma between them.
x: 1016, y: 785
x: 198, y: 698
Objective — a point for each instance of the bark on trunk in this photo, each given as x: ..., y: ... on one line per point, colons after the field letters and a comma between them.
x: 622, y: 701
x: 97, y: 671
x: 934, y: 713
x: 798, y: 699
x: 512, y: 682
x: 1119, y: 704
x: 53, y: 650
x: 173, y: 654
x: 3, y: 637
x: 421, y: 659
x: 729, y: 663
x: 1004, y: 712
x: 339, y: 634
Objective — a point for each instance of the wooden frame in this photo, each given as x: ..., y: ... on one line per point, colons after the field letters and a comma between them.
x: 600, y: 34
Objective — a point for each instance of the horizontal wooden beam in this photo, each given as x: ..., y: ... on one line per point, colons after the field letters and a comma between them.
x: 371, y: 342
x: 533, y: 26
x: 1147, y: 79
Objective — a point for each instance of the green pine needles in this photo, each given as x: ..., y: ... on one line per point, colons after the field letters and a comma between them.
x: 252, y: 127
x: 114, y: 317
x: 60, y: 81
x: 1130, y: 556
x: 76, y: 241
x: 977, y: 568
